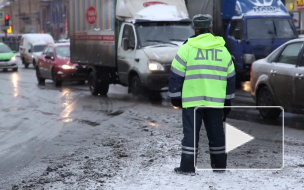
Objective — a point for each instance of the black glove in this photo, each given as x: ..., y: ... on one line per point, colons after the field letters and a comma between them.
x: 177, y: 102
x: 226, y: 110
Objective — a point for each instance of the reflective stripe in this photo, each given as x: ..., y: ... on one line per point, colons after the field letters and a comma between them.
x: 230, y: 63
x: 198, y: 98
x: 189, y: 148
x: 175, y: 94
x: 208, y: 67
x: 217, y: 148
x: 180, y: 60
x: 205, y: 76
x: 231, y: 74
x: 187, y: 152
x: 230, y: 96
x: 178, y: 72
x: 217, y: 152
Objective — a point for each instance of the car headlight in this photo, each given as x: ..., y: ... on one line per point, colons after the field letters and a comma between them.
x: 13, y: 58
x: 67, y: 67
x: 155, y: 66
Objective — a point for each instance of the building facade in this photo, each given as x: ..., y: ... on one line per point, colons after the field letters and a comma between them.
x: 37, y: 16
x: 296, y: 9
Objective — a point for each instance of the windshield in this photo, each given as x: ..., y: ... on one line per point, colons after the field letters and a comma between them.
x: 153, y: 33
x: 5, y: 49
x: 63, y: 51
x: 269, y: 28
x: 39, y: 48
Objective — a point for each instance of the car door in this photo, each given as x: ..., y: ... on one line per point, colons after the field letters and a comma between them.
x: 49, y: 62
x: 298, y: 87
x: 41, y: 62
x: 281, y: 74
x: 125, y: 57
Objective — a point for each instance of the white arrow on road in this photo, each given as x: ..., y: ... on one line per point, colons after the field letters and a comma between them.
x: 235, y: 138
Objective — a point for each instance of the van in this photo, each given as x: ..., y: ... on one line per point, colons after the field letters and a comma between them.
x: 31, y: 46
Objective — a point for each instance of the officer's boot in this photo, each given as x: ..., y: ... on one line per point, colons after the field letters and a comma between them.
x: 186, y: 165
x: 218, y: 162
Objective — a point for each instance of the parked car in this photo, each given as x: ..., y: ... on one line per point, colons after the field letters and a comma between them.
x: 278, y: 79
x: 7, y: 58
x: 54, y: 63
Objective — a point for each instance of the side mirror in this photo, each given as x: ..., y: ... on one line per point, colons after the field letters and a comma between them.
x: 125, y: 42
x: 49, y: 57
x: 237, y: 34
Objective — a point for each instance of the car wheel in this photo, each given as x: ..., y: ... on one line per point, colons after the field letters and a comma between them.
x: 25, y: 63
x: 55, y: 79
x: 265, y: 98
x: 15, y: 69
x: 97, y: 87
x: 136, y: 88
x: 41, y: 80
x: 4, y: 70
x: 34, y: 63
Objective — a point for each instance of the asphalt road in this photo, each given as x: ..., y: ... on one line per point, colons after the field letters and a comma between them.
x: 39, y: 122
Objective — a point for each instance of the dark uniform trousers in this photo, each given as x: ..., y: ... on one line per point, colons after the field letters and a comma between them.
x: 213, y: 122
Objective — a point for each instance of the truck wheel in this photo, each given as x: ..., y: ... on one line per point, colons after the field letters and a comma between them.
x: 56, y: 81
x: 41, y: 80
x: 155, y: 96
x: 97, y: 87
x: 265, y: 98
x: 93, y: 83
x: 136, y: 88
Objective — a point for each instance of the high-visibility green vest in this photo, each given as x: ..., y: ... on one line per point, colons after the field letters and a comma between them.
x: 205, y: 64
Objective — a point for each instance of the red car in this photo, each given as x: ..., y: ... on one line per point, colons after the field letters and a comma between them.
x: 54, y: 63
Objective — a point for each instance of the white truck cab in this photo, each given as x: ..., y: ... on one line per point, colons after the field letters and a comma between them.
x: 127, y: 42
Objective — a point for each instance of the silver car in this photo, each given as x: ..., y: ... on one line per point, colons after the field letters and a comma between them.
x: 278, y: 80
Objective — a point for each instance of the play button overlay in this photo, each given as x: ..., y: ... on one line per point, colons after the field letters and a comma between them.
x: 251, y: 142
x: 235, y: 137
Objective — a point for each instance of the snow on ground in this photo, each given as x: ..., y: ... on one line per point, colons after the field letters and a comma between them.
x: 137, y: 148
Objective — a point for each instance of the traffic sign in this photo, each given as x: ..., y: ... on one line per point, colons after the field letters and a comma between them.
x: 1, y: 15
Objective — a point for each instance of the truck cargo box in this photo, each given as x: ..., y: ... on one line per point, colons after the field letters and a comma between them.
x: 92, y: 32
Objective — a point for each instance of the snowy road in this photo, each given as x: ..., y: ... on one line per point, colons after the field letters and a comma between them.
x: 64, y: 138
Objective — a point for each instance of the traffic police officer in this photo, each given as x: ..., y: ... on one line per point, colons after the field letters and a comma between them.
x: 202, y: 74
